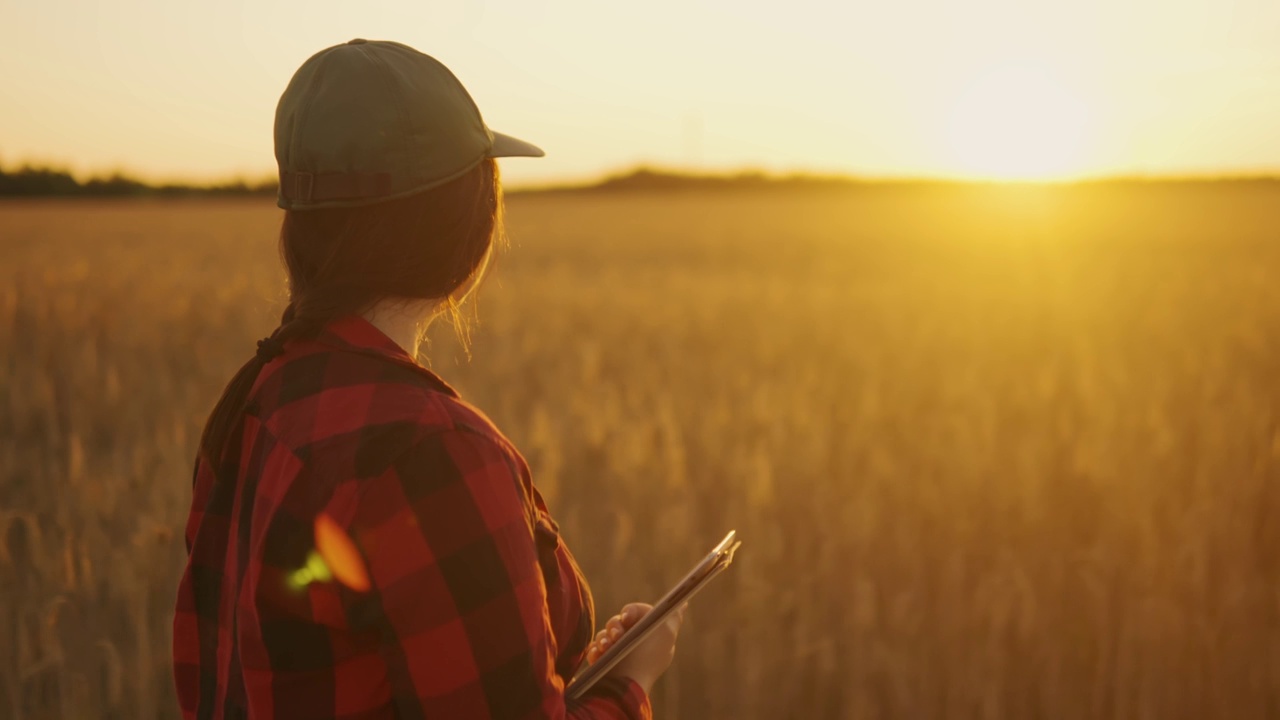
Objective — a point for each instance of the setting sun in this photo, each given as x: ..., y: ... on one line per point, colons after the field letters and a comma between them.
x: 1016, y: 122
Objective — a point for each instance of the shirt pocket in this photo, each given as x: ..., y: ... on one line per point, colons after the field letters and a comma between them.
x: 546, y: 535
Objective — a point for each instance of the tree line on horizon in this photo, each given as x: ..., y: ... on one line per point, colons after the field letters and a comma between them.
x: 32, y: 181
x: 35, y: 181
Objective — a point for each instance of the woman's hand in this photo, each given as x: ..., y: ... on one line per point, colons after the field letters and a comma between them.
x: 613, y: 629
x: 646, y: 663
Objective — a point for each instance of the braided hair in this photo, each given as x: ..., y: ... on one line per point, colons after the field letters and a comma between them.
x: 340, y: 261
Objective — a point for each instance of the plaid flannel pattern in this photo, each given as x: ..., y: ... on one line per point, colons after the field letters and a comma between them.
x: 477, y: 609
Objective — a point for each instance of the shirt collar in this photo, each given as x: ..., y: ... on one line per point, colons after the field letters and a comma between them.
x: 353, y: 333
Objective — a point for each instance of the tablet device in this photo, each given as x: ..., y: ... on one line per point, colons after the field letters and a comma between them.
x: 713, y: 564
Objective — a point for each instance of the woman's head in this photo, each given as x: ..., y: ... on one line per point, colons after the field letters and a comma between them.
x: 390, y: 191
x: 388, y: 181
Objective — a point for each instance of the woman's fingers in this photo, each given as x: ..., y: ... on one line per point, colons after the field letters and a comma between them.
x: 632, y: 612
x: 608, y: 633
x: 628, y: 616
x: 615, y: 627
x: 597, y: 648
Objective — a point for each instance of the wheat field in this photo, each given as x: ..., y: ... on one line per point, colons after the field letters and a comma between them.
x: 994, y: 452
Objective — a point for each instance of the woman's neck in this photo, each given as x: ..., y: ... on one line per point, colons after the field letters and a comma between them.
x: 403, y: 323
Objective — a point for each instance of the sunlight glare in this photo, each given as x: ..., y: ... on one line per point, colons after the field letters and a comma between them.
x: 1017, y: 122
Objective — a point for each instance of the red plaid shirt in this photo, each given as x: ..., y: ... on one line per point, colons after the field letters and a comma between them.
x: 476, y: 607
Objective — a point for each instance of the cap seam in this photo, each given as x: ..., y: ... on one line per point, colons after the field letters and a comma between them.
x: 303, y: 115
x: 384, y: 74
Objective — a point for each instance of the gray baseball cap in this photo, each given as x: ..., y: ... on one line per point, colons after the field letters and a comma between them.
x: 372, y: 120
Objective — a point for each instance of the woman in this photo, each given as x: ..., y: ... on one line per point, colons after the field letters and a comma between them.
x: 457, y: 598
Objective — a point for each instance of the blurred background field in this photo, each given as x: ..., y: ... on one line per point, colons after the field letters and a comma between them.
x: 994, y: 451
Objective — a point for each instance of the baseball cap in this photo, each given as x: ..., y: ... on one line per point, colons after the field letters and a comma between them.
x: 373, y: 120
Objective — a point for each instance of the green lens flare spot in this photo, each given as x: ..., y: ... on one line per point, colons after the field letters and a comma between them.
x: 299, y: 579
x: 314, y: 571
x: 319, y: 569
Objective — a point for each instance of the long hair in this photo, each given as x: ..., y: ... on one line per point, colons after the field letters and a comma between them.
x: 426, y: 246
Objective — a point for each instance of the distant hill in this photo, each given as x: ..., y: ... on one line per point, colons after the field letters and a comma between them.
x: 651, y: 180
x: 646, y: 179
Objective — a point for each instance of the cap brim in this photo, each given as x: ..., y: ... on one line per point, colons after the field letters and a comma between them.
x: 507, y: 146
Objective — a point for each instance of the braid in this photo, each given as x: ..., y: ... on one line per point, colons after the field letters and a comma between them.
x: 299, y: 320
x: 272, y: 346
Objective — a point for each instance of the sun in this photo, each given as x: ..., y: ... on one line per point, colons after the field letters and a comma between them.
x: 1017, y: 122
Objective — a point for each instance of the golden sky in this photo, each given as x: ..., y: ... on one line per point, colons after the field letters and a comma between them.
x: 967, y: 88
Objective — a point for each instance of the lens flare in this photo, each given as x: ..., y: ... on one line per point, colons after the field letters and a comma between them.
x: 316, y: 570
x: 335, y: 557
x: 339, y: 554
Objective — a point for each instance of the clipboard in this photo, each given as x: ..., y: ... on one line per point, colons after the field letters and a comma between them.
x: 716, y: 562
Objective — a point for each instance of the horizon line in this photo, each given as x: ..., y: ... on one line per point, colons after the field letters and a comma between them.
x: 673, y: 173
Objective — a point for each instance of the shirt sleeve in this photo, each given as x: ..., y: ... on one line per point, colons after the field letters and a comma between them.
x: 457, y: 595
x: 196, y: 610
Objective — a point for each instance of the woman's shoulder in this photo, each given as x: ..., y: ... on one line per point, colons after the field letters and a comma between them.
x: 423, y: 399
x: 426, y: 438
x: 323, y: 400
x: 465, y: 417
